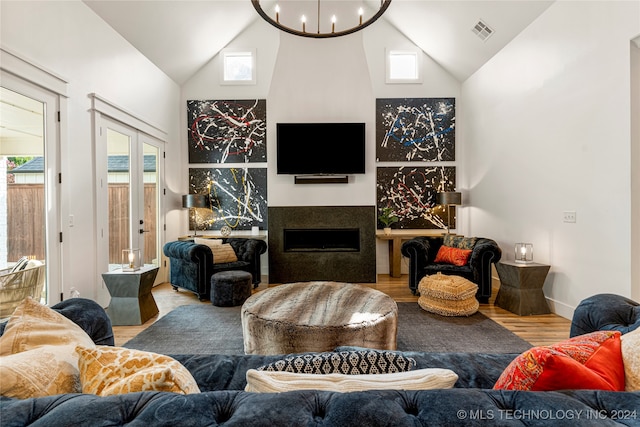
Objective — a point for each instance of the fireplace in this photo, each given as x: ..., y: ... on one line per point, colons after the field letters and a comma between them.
x: 334, y: 243
x: 321, y: 240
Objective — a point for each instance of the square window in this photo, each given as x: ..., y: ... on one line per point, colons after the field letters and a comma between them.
x: 403, y: 67
x: 238, y: 67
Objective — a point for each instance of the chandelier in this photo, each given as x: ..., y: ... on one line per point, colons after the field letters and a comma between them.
x: 325, y: 16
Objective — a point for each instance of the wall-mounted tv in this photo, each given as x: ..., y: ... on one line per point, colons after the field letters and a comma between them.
x: 320, y: 148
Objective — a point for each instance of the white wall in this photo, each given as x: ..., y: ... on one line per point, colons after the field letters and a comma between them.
x: 635, y: 168
x: 67, y: 38
x: 315, y: 80
x: 548, y: 131
x: 544, y: 127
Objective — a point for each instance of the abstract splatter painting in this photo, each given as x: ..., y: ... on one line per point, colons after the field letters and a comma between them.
x: 227, y: 131
x: 238, y: 196
x: 410, y: 191
x: 415, y: 129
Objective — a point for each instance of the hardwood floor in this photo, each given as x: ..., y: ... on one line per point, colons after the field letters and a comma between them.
x: 538, y: 330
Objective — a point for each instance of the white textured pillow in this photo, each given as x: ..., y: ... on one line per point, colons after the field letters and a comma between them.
x: 207, y: 242
x: 44, y: 371
x: 33, y: 263
x: 630, y: 345
x: 420, y: 379
x: 33, y: 325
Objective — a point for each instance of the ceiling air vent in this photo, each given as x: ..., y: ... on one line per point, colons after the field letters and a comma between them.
x: 482, y: 30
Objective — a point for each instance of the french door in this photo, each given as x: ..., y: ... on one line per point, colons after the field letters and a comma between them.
x: 29, y: 180
x: 129, y: 194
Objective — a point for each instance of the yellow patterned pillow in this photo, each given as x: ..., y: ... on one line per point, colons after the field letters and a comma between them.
x: 106, y: 370
x: 223, y: 253
x: 37, y: 356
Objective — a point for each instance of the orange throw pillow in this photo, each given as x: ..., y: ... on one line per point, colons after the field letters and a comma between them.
x: 592, y: 361
x: 455, y: 256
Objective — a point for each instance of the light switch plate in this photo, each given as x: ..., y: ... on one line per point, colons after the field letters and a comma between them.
x: 569, y: 216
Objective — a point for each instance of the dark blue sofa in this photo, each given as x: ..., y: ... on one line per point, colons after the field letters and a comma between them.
x: 223, y: 402
x: 191, y: 264
x: 605, y: 312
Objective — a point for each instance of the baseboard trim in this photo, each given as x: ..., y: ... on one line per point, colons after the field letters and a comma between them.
x: 560, y: 308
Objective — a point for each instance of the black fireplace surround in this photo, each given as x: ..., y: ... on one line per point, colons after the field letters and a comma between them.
x: 334, y: 243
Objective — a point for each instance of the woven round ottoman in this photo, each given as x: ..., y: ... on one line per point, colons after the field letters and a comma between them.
x: 230, y: 288
x: 318, y: 316
x: 448, y: 295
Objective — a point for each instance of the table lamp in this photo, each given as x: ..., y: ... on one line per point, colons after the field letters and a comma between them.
x: 448, y: 198
x: 524, y: 252
x: 195, y: 202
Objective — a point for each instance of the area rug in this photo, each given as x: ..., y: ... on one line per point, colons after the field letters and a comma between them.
x: 206, y: 329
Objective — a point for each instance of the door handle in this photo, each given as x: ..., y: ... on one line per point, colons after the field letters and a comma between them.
x: 143, y: 231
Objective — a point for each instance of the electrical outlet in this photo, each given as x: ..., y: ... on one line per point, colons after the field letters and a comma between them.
x: 569, y: 216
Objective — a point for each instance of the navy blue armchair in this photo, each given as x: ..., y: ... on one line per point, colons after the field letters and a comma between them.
x: 422, y: 252
x: 192, y: 265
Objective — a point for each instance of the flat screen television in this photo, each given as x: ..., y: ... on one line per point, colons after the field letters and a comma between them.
x: 320, y: 148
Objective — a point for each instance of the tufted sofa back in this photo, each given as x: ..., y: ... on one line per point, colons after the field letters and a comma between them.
x: 452, y: 407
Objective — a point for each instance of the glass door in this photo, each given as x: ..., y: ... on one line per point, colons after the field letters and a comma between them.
x: 119, y: 196
x: 28, y: 192
x: 148, y: 230
x: 133, y: 171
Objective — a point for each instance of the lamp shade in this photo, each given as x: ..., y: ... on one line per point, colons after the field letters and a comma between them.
x: 449, y: 198
x: 195, y: 201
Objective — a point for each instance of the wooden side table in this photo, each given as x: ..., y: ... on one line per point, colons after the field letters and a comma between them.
x: 521, y: 287
x: 131, y: 300
x: 395, y: 244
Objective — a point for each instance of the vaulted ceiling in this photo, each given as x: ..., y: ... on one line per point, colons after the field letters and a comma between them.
x: 180, y: 36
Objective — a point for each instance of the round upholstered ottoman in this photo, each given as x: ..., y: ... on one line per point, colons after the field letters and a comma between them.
x: 448, y: 295
x: 318, y: 316
x: 230, y: 288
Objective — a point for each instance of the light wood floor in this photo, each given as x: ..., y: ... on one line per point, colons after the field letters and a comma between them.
x: 538, y: 330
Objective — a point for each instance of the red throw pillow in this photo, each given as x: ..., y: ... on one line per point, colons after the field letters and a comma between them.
x: 592, y: 361
x: 455, y: 256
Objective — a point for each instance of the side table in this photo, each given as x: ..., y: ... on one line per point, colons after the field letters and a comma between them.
x: 131, y: 300
x: 395, y: 240
x: 521, y: 287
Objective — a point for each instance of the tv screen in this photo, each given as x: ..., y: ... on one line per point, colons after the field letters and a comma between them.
x: 320, y: 148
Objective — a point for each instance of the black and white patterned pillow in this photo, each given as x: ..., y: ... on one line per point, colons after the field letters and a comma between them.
x: 344, y: 362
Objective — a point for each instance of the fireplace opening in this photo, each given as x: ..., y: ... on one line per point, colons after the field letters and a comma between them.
x: 321, y: 240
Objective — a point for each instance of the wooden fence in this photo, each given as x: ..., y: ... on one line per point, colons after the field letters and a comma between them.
x: 26, y: 221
